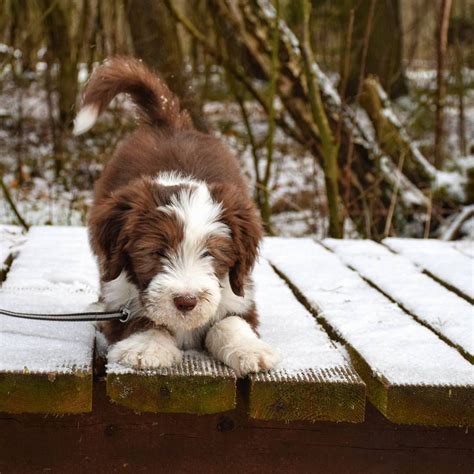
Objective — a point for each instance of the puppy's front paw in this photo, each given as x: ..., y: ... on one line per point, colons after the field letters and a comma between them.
x: 253, y: 356
x: 145, y: 351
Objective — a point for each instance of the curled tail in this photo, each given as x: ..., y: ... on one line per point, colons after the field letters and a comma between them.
x: 156, y: 103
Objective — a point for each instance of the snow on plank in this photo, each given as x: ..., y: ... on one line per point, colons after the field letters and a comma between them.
x: 412, y: 376
x: 46, y: 367
x: 440, y: 261
x: 198, y: 385
x: 10, y: 237
x: 313, y: 380
x: 450, y: 316
x: 466, y: 247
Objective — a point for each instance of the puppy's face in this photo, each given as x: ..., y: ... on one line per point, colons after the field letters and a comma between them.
x: 180, y: 243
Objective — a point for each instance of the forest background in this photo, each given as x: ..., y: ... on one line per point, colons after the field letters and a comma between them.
x: 351, y: 118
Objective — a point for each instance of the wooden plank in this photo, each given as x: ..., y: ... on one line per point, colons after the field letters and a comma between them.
x: 198, y: 385
x: 46, y: 367
x: 113, y: 439
x: 313, y: 380
x: 448, y: 315
x: 10, y: 238
x: 412, y: 376
x: 440, y: 261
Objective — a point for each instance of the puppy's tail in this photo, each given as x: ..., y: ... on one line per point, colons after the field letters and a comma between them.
x: 156, y: 103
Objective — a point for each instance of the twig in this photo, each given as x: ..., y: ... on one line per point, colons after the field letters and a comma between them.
x: 12, y: 205
x: 266, y: 209
x: 365, y: 48
x: 429, y: 211
x: 330, y: 148
x: 393, y: 201
x: 453, y: 230
x: 252, y: 141
x: 441, y: 85
x: 342, y: 91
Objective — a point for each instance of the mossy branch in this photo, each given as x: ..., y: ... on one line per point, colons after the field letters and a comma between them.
x: 12, y: 204
x: 329, y: 146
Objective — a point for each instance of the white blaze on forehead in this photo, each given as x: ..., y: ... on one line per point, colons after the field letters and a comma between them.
x: 173, y: 178
x: 195, y: 208
x: 186, y: 269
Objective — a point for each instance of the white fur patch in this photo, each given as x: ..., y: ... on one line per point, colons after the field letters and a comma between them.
x: 233, y: 342
x: 118, y: 292
x: 85, y: 119
x: 188, y: 270
x: 146, y: 350
x: 233, y: 304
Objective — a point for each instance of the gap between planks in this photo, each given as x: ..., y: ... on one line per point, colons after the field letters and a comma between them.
x: 439, y: 260
x: 313, y: 381
x: 418, y: 394
x: 444, y: 312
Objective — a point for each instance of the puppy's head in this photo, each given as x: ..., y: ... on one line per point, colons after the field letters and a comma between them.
x: 180, y: 242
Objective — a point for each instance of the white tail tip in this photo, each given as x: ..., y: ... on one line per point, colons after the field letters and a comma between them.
x: 85, y: 119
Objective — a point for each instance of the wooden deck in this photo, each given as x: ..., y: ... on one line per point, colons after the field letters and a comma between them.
x: 351, y: 319
x: 357, y: 324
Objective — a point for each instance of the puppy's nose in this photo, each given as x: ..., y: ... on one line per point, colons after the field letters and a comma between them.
x: 185, y: 302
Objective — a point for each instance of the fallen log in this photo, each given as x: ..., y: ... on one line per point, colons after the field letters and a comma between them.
x: 395, y: 142
x: 374, y: 174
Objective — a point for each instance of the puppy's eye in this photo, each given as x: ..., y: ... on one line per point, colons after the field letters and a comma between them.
x: 160, y: 253
x: 206, y: 254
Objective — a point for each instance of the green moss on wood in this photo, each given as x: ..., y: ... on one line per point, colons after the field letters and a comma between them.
x: 172, y: 394
x: 294, y: 400
x: 417, y: 404
x: 46, y: 393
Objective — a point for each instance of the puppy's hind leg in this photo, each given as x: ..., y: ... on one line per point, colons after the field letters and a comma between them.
x: 233, y: 342
x: 146, y: 350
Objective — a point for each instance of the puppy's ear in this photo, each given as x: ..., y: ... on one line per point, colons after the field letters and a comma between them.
x: 240, y: 214
x: 106, y: 222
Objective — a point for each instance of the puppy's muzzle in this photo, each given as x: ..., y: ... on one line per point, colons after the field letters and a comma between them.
x: 185, y: 302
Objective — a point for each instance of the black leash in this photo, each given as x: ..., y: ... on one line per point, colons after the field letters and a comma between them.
x: 123, y: 315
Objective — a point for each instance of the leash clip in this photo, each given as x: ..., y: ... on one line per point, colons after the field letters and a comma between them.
x: 126, y: 313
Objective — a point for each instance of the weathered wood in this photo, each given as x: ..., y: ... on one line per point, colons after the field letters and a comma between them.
x: 115, y: 439
x: 199, y: 385
x: 448, y: 315
x: 440, y: 261
x: 46, y: 367
x: 313, y: 380
x: 412, y: 376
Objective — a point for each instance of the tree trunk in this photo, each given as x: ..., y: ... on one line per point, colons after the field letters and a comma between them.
x: 63, y: 51
x: 57, y: 28
x: 156, y: 41
x: 385, y: 48
x: 329, y: 146
x: 441, y: 44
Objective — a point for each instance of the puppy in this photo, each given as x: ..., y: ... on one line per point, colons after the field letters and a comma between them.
x: 175, y: 230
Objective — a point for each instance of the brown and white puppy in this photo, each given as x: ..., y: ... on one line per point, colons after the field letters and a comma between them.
x: 174, y: 229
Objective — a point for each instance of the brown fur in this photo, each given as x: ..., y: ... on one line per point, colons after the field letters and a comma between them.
x: 126, y: 229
